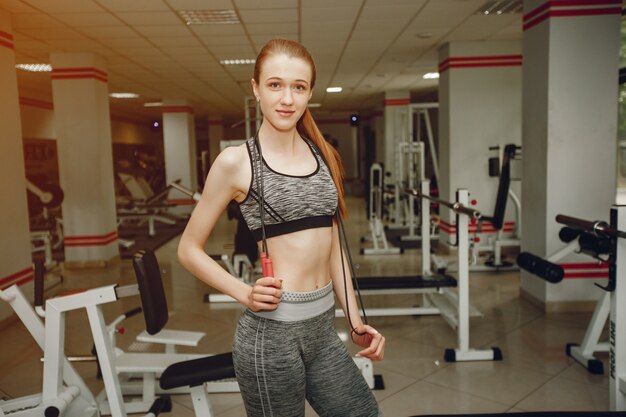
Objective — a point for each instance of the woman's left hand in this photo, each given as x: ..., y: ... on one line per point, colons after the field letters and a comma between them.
x: 371, y: 340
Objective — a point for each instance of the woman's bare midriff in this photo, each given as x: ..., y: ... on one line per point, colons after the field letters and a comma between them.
x: 301, y: 258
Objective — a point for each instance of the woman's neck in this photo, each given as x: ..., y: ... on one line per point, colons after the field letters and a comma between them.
x: 277, y: 141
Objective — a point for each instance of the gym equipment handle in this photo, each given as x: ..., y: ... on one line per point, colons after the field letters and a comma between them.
x: 456, y: 207
x: 132, y: 312
x: 599, y: 227
x: 40, y: 272
x: 540, y: 267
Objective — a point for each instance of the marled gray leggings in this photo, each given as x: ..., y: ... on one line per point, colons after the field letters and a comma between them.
x: 280, y: 363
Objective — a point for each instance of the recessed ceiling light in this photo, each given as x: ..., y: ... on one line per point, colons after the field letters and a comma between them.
x: 500, y: 7
x: 153, y: 104
x: 425, y: 35
x: 334, y: 90
x: 123, y: 95
x: 209, y: 17
x: 34, y: 67
x: 237, y: 61
x: 430, y: 76
x: 314, y: 105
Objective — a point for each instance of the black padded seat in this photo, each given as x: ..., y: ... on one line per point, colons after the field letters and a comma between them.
x: 198, y: 371
x: 405, y: 282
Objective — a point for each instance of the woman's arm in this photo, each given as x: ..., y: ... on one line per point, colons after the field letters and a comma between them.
x: 225, y: 181
x: 369, y: 338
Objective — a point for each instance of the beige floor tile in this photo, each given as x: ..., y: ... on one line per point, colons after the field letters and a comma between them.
x: 496, y: 381
x: 411, y: 359
x: 426, y: 398
x: 540, y: 345
x: 562, y: 394
x: 577, y: 372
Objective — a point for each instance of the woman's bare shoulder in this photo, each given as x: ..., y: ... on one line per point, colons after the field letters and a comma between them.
x: 232, y: 159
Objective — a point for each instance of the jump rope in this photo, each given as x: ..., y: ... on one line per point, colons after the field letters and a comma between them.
x: 266, y: 263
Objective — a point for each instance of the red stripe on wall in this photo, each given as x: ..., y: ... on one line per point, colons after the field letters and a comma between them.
x: 537, y: 11
x: 177, y: 109
x: 16, y: 275
x: 586, y: 265
x: 6, y: 44
x: 6, y: 35
x: 82, y: 69
x: 25, y: 101
x: 397, y: 101
x: 10, y: 279
x: 181, y: 201
x: 480, y: 61
x: 546, y: 11
x: 80, y: 77
x: 586, y: 275
x: 91, y: 240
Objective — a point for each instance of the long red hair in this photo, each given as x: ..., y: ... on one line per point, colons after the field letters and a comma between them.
x: 306, y: 126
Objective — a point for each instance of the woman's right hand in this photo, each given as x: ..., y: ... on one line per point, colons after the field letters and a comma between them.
x: 265, y: 294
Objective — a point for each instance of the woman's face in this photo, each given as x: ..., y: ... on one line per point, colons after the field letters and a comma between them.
x: 284, y: 90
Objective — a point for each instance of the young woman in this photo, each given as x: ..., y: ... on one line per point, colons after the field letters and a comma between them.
x: 286, y: 347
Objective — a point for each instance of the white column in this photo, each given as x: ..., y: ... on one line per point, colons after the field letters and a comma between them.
x: 83, y: 126
x: 179, y: 137
x: 570, y: 74
x: 15, y: 256
x: 216, y: 135
x: 396, y: 128
x: 480, y: 106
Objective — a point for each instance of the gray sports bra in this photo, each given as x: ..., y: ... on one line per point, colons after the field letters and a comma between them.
x: 291, y: 202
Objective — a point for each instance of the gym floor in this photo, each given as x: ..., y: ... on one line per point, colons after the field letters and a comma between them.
x: 535, y: 374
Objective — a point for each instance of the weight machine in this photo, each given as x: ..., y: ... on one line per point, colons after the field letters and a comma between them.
x: 597, y: 238
x: 455, y: 306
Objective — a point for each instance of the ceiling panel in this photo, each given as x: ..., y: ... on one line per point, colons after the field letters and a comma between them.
x: 130, y: 42
x: 67, y: 6
x: 329, y: 4
x: 150, y: 18
x: 134, y: 5
x: 75, y: 45
x: 244, y: 50
x: 178, y: 41
x: 16, y: 6
x: 269, y: 16
x: 217, y: 30
x: 269, y: 28
x: 109, y: 32
x: 34, y: 20
x: 224, y: 40
x: 176, y: 30
x: 340, y: 13
x: 54, y: 34
x: 88, y: 19
x: 183, y: 50
x: 200, y: 4
x: 256, y: 4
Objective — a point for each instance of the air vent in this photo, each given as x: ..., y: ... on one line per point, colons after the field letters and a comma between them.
x: 500, y: 7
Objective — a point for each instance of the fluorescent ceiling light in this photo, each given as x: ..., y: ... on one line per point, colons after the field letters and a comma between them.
x: 315, y: 105
x: 500, y: 7
x: 430, y: 76
x: 237, y: 61
x: 209, y: 17
x: 334, y: 89
x: 123, y: 95
x: 34, y: 67
x: 153, y: 104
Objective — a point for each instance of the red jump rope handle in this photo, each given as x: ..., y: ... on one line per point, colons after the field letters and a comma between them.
x: 266, y: 266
